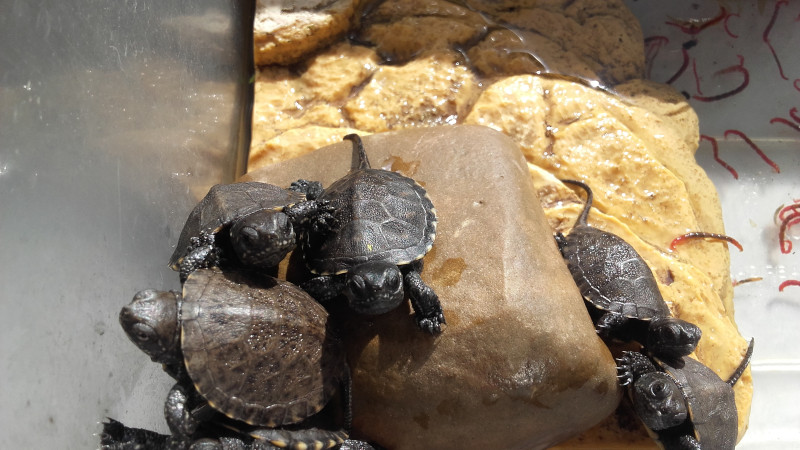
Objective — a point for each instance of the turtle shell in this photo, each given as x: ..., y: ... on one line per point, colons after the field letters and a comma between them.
x: 226, y: 203
x: 380, y: 216
x: 257, y: 348
x: 611, y: 275
x: 711, y: 402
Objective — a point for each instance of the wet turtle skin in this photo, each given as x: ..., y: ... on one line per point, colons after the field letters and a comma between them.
x: 249, y: 346
x: 683, y: 403
x: 384, y: 224
x: 620, y: 289
x: 250, y: 224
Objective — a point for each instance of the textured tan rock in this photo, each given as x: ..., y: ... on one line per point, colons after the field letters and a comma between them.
x: 465, y: 62
x: 285, y: 31
x: 519, y: 364
x: 392, y: 97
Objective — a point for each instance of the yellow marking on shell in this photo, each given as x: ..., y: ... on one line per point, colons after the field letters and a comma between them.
x: 331, y: 443
x: 319, y: 445
x: 300, y: 446
x: 280, y: 444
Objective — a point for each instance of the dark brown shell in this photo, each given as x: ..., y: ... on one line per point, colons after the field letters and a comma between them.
x: 380, y: 216
x: 226, y: 203
x: 711, y: 401
x: 257, y: 348
x: 611, y: 275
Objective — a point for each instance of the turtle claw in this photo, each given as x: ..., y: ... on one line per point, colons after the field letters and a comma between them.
x: 432, y: 325
x: 625, y: 369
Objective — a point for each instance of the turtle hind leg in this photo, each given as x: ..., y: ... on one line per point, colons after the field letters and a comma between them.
x: 300, y: 439
x: 427, y: 308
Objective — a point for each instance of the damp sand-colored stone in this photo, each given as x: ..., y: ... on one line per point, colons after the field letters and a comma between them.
x: 519, y: 361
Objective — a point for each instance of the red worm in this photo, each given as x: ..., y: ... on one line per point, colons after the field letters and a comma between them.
x: 682, y: 68
x: 746, y: 280
x: 725, y: 25
x: 715, y: 150
x: 765, y: 36
x: 787, y: 283
x: 788, y: 222
x: 653, y: 46
x: 704, y: 235
x: 793, y: 114
x: 754, y: 147
x: 783, y: 210
x: 785, y: 122
x: 694, y: 26
x: 737, y: 68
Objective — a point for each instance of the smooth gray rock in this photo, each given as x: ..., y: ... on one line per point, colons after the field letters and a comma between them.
x: 519, y: 364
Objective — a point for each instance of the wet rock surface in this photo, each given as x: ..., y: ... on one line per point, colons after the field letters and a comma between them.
x: 519, y: 364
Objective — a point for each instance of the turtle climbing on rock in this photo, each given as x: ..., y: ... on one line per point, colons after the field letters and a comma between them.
x: 247, y: 224
x: 256, y: 349
x: 384, y: 224
x: 683, y: 403
x: 620, y: 290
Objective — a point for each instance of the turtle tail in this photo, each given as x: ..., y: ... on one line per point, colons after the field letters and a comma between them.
x: 743, y: 365
x: 298, y: 439
x: 363, y: 162
x: 589, y: 199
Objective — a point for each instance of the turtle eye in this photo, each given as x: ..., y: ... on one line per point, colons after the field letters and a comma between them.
x: 659, y: 389
x: 393, y: 280
x: 248, y: 234
x: 357, y: 284
x: 143, y: 333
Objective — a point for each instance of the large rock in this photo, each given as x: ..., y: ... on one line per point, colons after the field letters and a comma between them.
x: 519, y: 364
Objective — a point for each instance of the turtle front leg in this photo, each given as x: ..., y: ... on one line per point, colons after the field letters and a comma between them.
x: 682, y: 442
x: 117, y: 436
x: 311, y: 189
x: 324, y: 288
x: 316, y: 215
x: 632, y: 365
x: 202, y: 253
x: 561, y: 242
x: 427, y: 308
x: 611, y: 325
x: 184, y: 411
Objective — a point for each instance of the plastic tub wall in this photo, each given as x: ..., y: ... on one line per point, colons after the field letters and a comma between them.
x: 738, y: 63
x: 114, y: 117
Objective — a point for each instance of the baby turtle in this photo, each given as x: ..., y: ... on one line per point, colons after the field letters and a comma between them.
x: 252, y: 223
x: 117, y: 436
x: 621, y: 290
x: 257, y: 349
x: 684, y: 404
x: 384, y: 223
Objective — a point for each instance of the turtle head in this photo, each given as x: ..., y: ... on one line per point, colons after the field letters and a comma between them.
x: 670, y: 337
x: 658, y: 401
x: 374, y: 287
x: 263, y: 239
x: 151, y: 322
